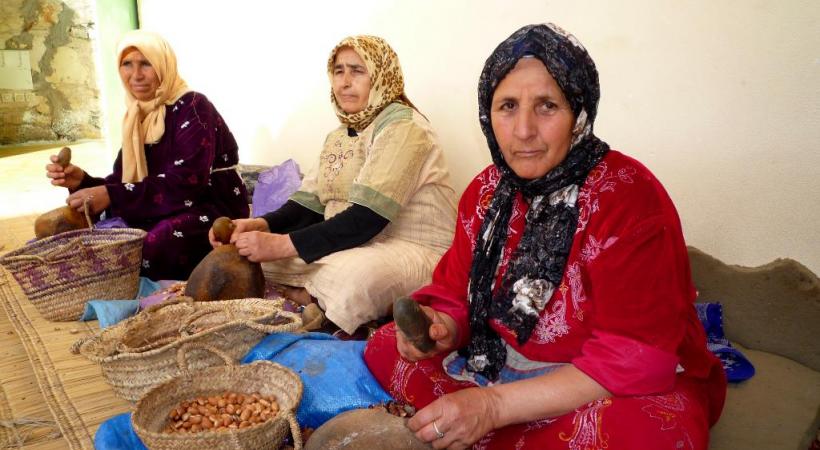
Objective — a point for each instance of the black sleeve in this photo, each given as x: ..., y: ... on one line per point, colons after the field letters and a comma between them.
x: 290, y: 217
x: 87, y: 182
x: 350, y: 228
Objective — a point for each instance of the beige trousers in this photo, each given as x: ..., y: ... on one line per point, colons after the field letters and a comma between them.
x: 358, y: 285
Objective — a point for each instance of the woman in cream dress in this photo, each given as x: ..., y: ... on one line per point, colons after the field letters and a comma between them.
x: 373, y: 217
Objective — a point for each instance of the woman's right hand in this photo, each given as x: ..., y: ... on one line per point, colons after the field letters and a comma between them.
x: 242, y: 225
x: 69, y: 177
x: 442, y: 330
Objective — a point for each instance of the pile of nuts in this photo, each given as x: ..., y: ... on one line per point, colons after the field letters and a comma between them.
x: 218, y: 413
x: 396, y: 409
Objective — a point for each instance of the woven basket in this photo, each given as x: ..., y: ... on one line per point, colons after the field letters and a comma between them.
x: 150, y: 415
x: 140, y: 352
x: 60, y: 273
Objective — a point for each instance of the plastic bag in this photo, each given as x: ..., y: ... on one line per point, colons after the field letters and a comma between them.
x: 333, y: 373
x: 111, y: 312
x: 116, y: 433
x: 274, y: 186
x: 114, y: 222
x: 735, y: 364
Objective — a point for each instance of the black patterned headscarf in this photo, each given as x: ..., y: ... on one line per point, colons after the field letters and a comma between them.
x: 537, y: 264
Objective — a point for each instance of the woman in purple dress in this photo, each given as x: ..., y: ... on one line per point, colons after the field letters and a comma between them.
x: 175, y: 173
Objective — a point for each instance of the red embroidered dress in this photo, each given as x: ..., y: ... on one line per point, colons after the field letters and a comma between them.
x: 622, y: 314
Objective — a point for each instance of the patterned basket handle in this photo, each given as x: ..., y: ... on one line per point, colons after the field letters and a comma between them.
x: 39, y: 259
x: 184, y: 349
x: 59, y: 254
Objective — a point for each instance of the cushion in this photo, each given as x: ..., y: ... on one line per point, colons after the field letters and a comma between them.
x: 777, y: 409
x: 774, y: 307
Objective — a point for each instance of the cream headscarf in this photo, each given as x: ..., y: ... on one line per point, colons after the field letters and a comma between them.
x: 144, y: 122
x: 386, y: 79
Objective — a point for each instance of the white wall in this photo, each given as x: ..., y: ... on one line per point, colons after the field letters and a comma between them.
x: 719, y: 99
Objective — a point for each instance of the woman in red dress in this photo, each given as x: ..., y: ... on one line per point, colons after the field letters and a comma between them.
x: 562, y: 312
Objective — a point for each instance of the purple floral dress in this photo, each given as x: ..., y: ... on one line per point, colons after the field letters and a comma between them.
x: 191, y: 181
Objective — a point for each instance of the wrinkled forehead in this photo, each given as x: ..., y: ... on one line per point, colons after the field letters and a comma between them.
x: 347, y: 49
x: 152, y: 57
x: 127, y: 51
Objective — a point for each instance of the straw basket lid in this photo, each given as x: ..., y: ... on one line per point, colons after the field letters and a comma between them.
x: 264, y: 377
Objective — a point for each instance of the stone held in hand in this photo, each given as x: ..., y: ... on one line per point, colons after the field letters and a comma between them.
x: 364, y: 429
x: 414, y: 323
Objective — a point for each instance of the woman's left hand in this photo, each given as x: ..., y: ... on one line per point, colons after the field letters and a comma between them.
x: 97, y: 198
x: 260, y: 246
x: 456, y: 420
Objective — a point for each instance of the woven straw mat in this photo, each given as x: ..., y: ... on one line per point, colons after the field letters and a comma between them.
x: 72, y: 388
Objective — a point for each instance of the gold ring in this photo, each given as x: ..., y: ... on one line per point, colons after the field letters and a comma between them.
x: 439, y: 434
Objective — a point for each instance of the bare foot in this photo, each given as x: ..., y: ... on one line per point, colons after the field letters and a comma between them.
x: 312, y: 317
x: 297, y: 295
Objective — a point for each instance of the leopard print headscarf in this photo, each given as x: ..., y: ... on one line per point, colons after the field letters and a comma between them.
x: 386, y: 79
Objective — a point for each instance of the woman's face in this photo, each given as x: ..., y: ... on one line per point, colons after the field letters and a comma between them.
x: 138, y: 74
x: 531, y: 119
x: 351, y: 82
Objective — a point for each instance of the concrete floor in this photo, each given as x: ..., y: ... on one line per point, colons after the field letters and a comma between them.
x: 24, y: 188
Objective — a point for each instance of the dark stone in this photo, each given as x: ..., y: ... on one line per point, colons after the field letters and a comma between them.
x: 364, y: 429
